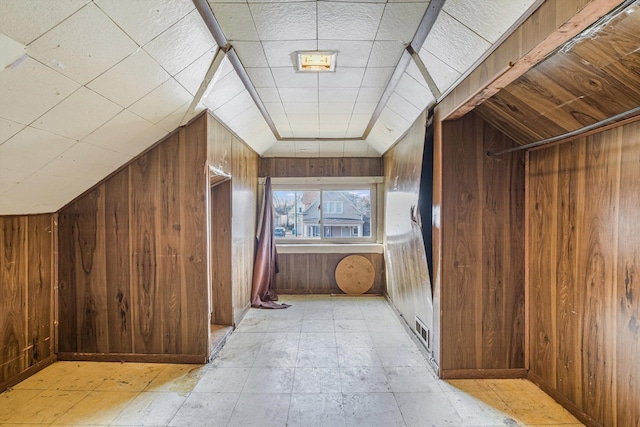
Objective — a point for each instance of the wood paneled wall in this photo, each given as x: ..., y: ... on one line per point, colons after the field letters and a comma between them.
x: 132, y: 258
x: 314, y: 273
x: 407, y: 273
x: 27, y: 277
x: 319, y: 167
x: 584, y: 274
x: 479, y: 256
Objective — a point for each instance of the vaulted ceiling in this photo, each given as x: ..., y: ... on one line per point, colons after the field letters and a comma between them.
x: 87, y: 85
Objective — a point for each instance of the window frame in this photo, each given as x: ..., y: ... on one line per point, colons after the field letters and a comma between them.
x: 373, y: 184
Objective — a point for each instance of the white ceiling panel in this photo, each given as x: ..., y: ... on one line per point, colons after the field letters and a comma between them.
x: 351, y: 53
x: 344, y: 77
x: 300, y: 108
x: 356, y: 148
x: 332, y: 94
x: 400, y: 21
x: 247, y: 122
x: 9, y: 179
x: 9, y: 128
x: 234, y: 107
x: 31, y: 149
x: 85, y: 161
x: 301, y: 119
x: 287, y: 77
x: 377, y: 77
x: 414, y: 92
x: 298, y: 94
x: 78, y: 115
x: 83, y: 46
x: 489, y: 18
x: 348, y: 21
x: 251, y: 54
x: 385, y: 53
x: 442, y: 74
x: 10, y: 51
x: 285, y: 21
x: 261, y: 77
x: 268, y: 94
x: 380, y: 139
x: 336, y: 108
x: 173, y: 120
x: 454, y: 44
x: 26, y: 20
x: 369, y: 94
x: 120, y: 133
x: 307, y: 149
x: 261, y: 140
x: 183, y: 43
x: 143, y: 20
x: 225, y: 89
x: 191, y: 77
x: 364, y: 108
x: 28, y: 89
x: 236, y: 21
x: 40, y: 193
x: 161, y: 102
x: 131, y: 79
x: 280, y: 149
x: 404, y: 109
x: 283, y: 54
x: 275, y: 109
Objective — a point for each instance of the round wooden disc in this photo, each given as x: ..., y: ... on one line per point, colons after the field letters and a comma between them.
x: 355, y: 274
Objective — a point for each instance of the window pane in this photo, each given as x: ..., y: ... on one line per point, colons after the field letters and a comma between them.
x: 346, y: 214
x: 297, y: 214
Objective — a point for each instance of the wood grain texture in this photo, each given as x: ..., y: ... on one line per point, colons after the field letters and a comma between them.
x: 26, y: 287
x: 583, y: 262
x: 481, y: 271
x: 221, y: 261
x: 320, y: 167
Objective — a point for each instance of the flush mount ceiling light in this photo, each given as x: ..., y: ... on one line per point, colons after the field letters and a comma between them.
x: 316, y: 60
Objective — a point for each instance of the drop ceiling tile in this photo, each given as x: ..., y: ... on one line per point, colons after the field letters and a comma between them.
x: 334, y: 132
x: 283, y: 53
x: 261, y: 77
x: 454, y: 44
x: 261, y: 139
x: 336, y: 108
x: 414, y: 92
x: 307, y: 149
x: 400, y: 21
x: 83, y: 46
x: 247, y: 121
x: 355, y: 148
x: 251, y: 54
x: 343, y: 77
x: 268, y: 94
x: 40, y: 193
x: 393, y: 122
x: 78, y: 115
x: 183, y: 43
x: 287, y: 77
x: 330, y: 118
x: 235, y: 20
x: 144, y: 20
x: 31, y: 149
x: 301, y: 119
x: 377, y: 77
x: 191, y: 77
x: 489, y: 19
x: 130, y: 80
x: 285, y: 21
x: 144, y: 140
x: 364, y: 107
x: 370, y: 94
x: 281, y: 149
x: 351, y: 53
x: 357, y: 125
x: 402, y: 107
x: 28, y: 89
x: 300, y: 108
x: 234, y: 107
x: 348, y: 21
x: 161, y: 102
x: 175, y: 118
x: 305, y: 131
x: 298, y: 94
x: 85, y: 161
x: 9, y: 128
x: 26, y: 20
x: 225, y: 89
x: 331, y: 148
x: 330, y: 94
x: 380, y: 139
x: 443, y: 75
x: 120, y: 133
x: 9, y: 179
x: 10, y: 51
x: 275, y: 109
x: 385, y: 53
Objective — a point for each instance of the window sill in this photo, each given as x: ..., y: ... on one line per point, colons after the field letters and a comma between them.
x: 330, y: 248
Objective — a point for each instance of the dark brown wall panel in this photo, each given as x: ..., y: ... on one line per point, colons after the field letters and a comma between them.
x: 584, y: 197
x: 481, y: 258
x: 26, y: 287
x: 319, y: 167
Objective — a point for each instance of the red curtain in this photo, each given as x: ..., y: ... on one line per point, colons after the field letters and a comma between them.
x: 266, y: 266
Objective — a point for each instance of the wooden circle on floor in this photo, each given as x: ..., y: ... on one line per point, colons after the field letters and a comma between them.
x: 355, y: 274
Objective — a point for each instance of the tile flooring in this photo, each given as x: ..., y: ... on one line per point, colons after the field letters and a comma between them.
x: 325, y: 361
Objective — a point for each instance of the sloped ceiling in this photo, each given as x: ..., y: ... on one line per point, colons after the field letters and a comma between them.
x: 591, y: 78
x: 87, y: 85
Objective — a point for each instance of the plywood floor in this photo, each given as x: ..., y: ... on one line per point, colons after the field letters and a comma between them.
x: 325, y: 361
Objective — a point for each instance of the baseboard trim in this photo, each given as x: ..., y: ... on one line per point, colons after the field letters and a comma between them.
x: 478, y: 374
x: 584, y: 418
x: 27, y: 373
x: 139, y: 358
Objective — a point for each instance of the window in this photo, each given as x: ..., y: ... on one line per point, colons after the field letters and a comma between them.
x: 326, y: 213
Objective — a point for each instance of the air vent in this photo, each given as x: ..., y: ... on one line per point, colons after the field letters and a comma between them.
x: 424, y: 334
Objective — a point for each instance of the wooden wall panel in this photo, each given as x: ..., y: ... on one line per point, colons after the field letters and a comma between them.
x: 319, y: 167
x: 26, y: 288
x: 481, y: 254
x: 221, y: 260
x: 584, y: 198
x: 314, y: 273
x: 407, y: 273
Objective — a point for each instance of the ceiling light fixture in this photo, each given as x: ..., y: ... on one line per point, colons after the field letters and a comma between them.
x: 317, y: 61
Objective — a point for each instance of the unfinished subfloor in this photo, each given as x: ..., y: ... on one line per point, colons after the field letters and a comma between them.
x: 325, y: 361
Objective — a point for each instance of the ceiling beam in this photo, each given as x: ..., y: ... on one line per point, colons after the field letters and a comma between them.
x: 208, y: 82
